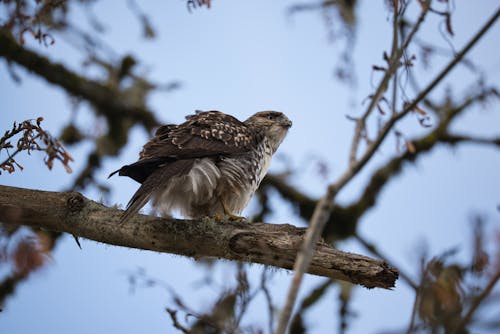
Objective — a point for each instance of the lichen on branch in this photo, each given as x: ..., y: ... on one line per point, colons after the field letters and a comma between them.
x: 268, y: 244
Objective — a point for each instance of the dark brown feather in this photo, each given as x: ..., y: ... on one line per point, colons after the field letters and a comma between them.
x: 203, y: 134
x: 140, y: 170
x: 158, y: 179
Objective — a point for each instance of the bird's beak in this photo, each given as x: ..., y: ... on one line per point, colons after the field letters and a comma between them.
x: 286, y: 123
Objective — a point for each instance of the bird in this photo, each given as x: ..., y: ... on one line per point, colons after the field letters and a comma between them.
x: 209, y: 165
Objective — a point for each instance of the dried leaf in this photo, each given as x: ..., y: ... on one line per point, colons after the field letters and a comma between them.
x: 33, y: 138
x: 420, y: 111
x: 28, y: 255
x: 410, y: 147
x: 18, y: 165
x: 68, y: 169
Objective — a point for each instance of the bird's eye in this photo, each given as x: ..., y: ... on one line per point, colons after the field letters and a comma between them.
x: 270, y: 117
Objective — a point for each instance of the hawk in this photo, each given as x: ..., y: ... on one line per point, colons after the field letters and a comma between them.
x: 209, y: 165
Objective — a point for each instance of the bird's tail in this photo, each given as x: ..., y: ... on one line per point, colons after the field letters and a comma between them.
x: 140, y: 198
x: 157, y: 181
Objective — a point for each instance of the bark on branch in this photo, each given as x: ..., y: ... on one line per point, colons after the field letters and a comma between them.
x: 269, y: 244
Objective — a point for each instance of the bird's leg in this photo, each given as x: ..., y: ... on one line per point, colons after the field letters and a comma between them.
x: 227, y: 213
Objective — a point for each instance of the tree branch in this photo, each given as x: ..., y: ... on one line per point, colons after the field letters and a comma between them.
x: 421, y: 145
x: 323, y: 208
x: 105, y: 99
x: 268, y: 244
x: 477, y: 302
x: 393, y: 65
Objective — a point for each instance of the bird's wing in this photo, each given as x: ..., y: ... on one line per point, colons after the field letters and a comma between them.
x: 205, y: 134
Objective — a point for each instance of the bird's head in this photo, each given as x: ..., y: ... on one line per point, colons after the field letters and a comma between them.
x: 272, y: 124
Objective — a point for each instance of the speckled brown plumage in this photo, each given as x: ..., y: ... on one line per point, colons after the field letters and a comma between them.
x: 210, y: 164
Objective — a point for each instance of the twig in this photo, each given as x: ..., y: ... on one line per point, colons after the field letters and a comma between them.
x: 455, y: 138
x: 418, y: 294
x: 421, y: 145
x: 268, y: 297
x: 395, y: 43
x: 393, y: 66
x: 454, y: 62
x: 10, y: 157
x: 32, y: 137
x: 477, y: 302
x: 175, y: 322
x: 322, y: 211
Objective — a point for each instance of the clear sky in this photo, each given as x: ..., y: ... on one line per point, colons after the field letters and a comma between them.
x: 241, y: 57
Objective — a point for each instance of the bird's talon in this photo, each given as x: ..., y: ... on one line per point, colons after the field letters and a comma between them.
x: 219, y: 216
x: 228, y: 217
x: 235, y: 217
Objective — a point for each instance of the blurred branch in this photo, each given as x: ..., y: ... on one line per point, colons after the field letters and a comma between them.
x: 323, y: 208
x: 267, y: 296
x: 343, y: 220
x: 175, y: 322
x: 30, y: 261
x: 421, y: 145
x: 455, y: 139
x: 477, y: 302
x: 269, y: 244
x: 8, y: 286
x: 393, y: 65
x: 106, y: 100
x: 297, y: 324
x: 194, y: 4
x: 122, y: 107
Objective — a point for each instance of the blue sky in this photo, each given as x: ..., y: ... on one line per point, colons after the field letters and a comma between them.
x: 241, y: 57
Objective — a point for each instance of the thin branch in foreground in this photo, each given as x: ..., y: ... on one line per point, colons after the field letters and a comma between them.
x: 323, y: 208
x: 269, y: 244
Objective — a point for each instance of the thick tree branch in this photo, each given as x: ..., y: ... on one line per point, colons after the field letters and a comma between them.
x: 275, y: 245
x: 105, y: 99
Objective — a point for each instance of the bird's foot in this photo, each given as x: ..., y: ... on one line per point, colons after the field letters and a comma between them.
x: 228, y: 217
